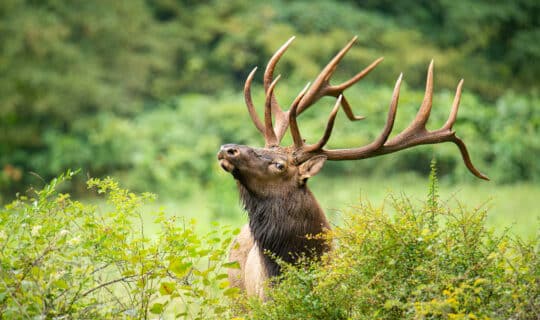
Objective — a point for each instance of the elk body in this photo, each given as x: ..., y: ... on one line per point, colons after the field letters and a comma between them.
x: 272, y: 181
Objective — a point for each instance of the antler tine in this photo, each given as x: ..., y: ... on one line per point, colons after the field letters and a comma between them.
x: 368, y: 150
x: 321, y: 86
x: 348, y: 110
x: 383, y: 137
x: 418, y: 125
x: 356, y: 78
x: 329, y: 127
x: 269, y: 72
x: 467, y: 159
x: 295, y: 131
x: 249, y: 101
x: 269, y: 134
x: 425, y: 108
x: 281, y: 116
x: 455, y: 106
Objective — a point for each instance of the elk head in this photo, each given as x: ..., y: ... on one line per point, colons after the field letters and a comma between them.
x: 274, y: 169
x: 268, y: 171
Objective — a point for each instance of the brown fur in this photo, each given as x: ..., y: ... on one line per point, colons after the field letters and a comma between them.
x: 282, y: 212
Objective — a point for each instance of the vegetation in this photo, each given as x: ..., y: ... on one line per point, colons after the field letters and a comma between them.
x: 427, y: 262
x: 146, y: 91
x: 61, y: 258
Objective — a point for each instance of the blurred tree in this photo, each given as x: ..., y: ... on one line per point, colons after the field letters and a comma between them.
x: 68, y: 68
x: 63, y: 60
x: 496, y: 42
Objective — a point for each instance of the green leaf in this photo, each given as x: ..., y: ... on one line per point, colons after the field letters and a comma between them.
x: 180, y: 268
x: 157, y: 308
x: 231, y: 265
x: 231, y: 292
x: 61, y: 284
x: 224, y: 284
x: 222, y: 276
x: 167, y: 288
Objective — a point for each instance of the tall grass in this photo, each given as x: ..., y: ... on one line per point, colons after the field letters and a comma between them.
x: 510, y: 206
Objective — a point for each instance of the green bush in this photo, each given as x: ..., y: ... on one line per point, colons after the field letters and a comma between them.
x: 64, y: 259
x: 61, y: 258
x: 412, y: 262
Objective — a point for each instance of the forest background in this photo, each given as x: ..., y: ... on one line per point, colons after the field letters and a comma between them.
x: 147, y: 91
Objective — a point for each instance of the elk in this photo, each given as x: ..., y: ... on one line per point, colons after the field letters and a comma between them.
x: 283, y: 213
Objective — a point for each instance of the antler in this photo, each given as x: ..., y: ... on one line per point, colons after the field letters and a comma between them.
x: 307, y: 97
x: 321, y: 86
x: 415, y: 134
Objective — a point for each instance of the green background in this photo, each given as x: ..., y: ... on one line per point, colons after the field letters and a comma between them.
x: 147, y: 91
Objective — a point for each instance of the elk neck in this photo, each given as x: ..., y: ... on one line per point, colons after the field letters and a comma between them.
x: 281, y: 225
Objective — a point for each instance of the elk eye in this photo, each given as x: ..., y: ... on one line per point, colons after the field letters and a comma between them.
x: 280, y: 166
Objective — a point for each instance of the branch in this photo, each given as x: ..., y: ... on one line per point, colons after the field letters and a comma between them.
x: 108, y: 283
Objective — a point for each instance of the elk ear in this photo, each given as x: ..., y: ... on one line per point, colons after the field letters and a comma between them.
x: 310, y: 168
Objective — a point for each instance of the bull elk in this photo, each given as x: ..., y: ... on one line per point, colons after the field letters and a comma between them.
x: 282, y: 211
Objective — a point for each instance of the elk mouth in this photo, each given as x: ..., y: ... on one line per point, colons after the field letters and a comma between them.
x: 230, y: 168
x: 225, y: 163
x: 228, y: 156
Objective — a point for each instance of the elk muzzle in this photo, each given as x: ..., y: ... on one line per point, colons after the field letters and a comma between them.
x: 235, y: 158
x: 228, y: 154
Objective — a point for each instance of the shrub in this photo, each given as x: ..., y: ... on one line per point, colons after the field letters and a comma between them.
x: 64, y: 259
x: 419, y: 262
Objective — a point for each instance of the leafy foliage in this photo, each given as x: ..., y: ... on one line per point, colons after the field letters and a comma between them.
x: 425, y: 262
x: 61, y: 258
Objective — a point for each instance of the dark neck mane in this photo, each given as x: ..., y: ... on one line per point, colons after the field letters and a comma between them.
x: 279, y: 225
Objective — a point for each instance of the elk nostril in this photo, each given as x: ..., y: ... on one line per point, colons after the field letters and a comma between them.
x: 232, y: 151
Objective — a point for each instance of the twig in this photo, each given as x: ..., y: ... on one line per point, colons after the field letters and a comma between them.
x: 108, y: 283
